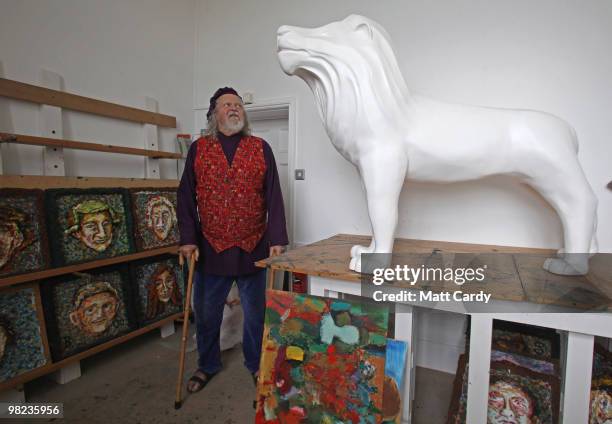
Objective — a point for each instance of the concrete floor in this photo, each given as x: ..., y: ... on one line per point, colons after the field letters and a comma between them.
x: 135, y: 383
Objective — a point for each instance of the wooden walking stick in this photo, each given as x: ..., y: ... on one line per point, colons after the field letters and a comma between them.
x: 179, y: 383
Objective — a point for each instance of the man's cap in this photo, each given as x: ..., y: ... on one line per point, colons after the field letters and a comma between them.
x: 220, y: 92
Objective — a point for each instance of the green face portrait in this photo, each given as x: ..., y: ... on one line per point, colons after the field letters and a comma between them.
x: 95, y: 230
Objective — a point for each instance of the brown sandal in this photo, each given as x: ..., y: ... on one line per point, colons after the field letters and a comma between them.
x: 199, y: 381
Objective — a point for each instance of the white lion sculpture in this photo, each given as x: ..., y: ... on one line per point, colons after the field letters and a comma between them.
x: 390, y: 135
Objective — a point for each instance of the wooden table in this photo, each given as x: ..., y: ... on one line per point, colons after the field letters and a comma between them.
x: 520, y: 289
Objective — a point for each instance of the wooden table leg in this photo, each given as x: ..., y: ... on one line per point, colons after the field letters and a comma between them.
x: 271, y: 274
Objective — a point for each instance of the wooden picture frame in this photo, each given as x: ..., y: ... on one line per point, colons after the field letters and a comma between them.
x: 158, y: 288
x: 154, y: 217
x: 83, y: 310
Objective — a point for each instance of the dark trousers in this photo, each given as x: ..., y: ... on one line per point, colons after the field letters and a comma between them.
x: 209, y: 295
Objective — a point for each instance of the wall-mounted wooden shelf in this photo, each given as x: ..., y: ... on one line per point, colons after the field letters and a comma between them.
x: 33, y: 93
x: 82, y: 145
x: 44, y: 182
x: 54, y: 272
x: 49, y: 368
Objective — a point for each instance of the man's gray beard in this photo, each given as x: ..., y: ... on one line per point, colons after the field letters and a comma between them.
x: 233, y: 127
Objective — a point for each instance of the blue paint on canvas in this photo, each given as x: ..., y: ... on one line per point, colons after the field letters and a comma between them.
x: 396, y: 360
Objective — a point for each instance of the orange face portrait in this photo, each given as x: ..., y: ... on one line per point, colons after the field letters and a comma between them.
x: 165, y: 285
x: 96, y: 312
x: 95, y: 230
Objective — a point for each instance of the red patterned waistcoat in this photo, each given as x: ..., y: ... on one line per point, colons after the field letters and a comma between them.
x: 231, y: 201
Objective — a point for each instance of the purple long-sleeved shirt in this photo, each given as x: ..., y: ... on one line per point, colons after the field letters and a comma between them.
x: 233, y: 261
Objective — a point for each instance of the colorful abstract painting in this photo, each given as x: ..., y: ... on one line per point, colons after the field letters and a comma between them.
x: 22, y: 345
x: 23, y: 236
x: 159, y: 288
x: 154, y: 213
x: 395, y: 364
x: 323, y: 360
x: 88, y: 309
x: 88, y: 224
x: 527, y: 396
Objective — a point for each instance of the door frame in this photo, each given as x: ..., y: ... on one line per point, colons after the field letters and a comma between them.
x: 275, y: 108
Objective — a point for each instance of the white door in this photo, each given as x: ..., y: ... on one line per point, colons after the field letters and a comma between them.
x: 275, y: 132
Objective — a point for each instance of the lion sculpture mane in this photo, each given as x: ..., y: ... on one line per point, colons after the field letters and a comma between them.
x: 390, y: 135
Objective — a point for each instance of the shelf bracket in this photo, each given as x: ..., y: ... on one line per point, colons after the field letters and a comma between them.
x: 151, y: 141
x: 51, y: 126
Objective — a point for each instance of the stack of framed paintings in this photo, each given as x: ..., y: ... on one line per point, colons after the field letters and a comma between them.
x: 524, y: 377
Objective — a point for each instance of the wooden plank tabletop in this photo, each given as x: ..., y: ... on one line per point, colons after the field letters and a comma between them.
x: 514, y: 275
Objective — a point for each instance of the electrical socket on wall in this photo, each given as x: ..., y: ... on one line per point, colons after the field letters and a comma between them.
x: 300, y: 174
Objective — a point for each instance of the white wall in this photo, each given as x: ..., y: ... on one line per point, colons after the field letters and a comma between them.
x: 550, y: 55
x: 115, y: 50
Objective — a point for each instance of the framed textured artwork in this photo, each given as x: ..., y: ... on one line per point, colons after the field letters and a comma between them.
x: 535, y: 342
x: 323, y: 360
x: 601, y: 387
x: 537, y: 365
x: 516, y: 392
x: 395, y: 364
x: 600, y: 411
x: 87, y: 309
x: 154, y: 215
x: 602, y: 367
x: 23, y: 235
x: 158, y: 288
x: 88, y: 224
x: 23, y: 343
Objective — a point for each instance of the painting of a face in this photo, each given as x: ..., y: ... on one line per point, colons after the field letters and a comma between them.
x: 11, y: 239
x: 508, y: 404
x: 154, y: 216
x: 165, y: 284
x: 96, y: 230
x: 161, y: 220
x: 95, y: 313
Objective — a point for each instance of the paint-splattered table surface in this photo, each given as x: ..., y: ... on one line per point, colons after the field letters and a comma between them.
x: 513, y: 273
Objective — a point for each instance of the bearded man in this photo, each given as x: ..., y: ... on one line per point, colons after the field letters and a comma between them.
x: 231, y: 214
